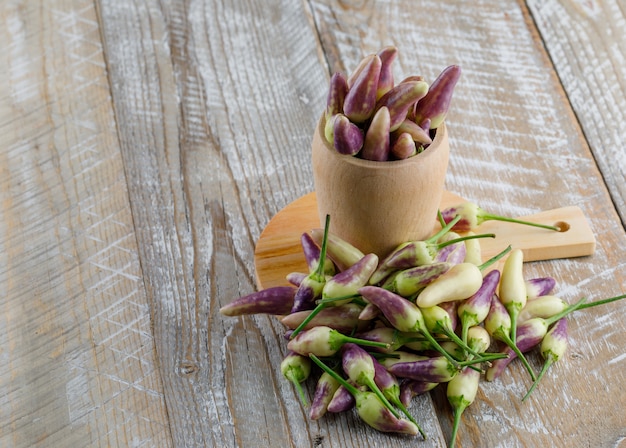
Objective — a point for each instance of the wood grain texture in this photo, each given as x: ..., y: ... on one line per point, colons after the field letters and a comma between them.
x: 78, y: 362
x: 146, y: 144
x: 586, y: 41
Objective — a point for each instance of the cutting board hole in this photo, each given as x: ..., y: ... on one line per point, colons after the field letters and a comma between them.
x: 562, y: 226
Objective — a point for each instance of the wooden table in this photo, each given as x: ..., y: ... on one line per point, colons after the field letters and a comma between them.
x: 145, y: 145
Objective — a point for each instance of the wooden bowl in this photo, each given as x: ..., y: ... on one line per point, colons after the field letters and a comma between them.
x: 378, y: 205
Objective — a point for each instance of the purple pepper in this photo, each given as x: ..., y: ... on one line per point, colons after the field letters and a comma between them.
x: 340, y: 251
x: 348, y: 282
x: 410, y: 281
x: 412, y: 388
x: 553, y: 347
x: 529, y: 335
x: 436, y: 369
x: 342, y: 400
x: 343, y: 318
x: 540, y: 286
x: 311, y: 252
x: 400, y: 99
x: 295, y: 278
x: 275, y: 300
x: 385, y: 81
x: 418, y: 134
x: 403, y: 147
x: 347, y: 136
x: 324, y: 391
x: 376, y: 141
x: 336, y: 94
x: 360, y: 100
x: 324, y: 341
x: 473, y: 310
x: 434, y: 106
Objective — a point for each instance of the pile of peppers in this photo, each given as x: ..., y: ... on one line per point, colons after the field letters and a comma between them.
x: 369, y: 116
x: 374, y: 333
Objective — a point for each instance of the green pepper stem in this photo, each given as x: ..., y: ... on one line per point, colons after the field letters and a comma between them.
x: 495, y: 258
x: 566, y: 311
x: 464, y: 238
x: 353, y: 390
x: 364, y: 342
x: 490, y: 217
x: 455, y: 426
x: 601, y: 302
x: 507, y: 340
x: 319, y: 272
x: 544, y: 369
x: 374, y: 388
x: 405, y: 411
x: 445, y: 229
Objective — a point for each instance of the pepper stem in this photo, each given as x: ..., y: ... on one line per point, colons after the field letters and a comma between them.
x: 601, y: 302
x: 455, y: 426
x: 490, y: 217
x: 463, y: 238
x: 350, y: 388
x: 508, y: 341
x: 445, y: 229
x: 319, y: 272
x: 544, y: 369
x: 494, y: 259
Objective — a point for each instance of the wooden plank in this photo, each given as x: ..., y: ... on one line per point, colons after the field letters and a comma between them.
x: 587, y: 42
x: 78, y: 365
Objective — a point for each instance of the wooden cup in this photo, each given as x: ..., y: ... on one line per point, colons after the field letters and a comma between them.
x: 376, y: 206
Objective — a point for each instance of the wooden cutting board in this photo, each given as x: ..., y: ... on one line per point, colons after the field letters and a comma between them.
x: 278, y: 251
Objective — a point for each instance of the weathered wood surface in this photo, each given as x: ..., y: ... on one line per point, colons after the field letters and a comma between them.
x: 145, y: 145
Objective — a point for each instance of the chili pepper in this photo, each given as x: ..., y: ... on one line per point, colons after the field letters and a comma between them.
x: 340, y: 251
x: 296, y: 368
x: 343, y: 318
x: 461, y: 393
x: 384, y: 270
x: 540, y: 286
x: 403, y: 147
x: 371, y: 409
x: 347, y: 136
x: 342, y: 400
x: 360, y: 100
x: 543, y: 306
x: 460, y: 282
x: 311, y: 253
x: 329, y: 128
x: 336, y: 94
x: 311, y: 286
x: 553, y: 347
x: 473, y: 310
x: 400, y: 356
x: 436, y: 369
x: 529, y: 335
x: 342, y: 287
x: 385, y: 81
x: 451, y: 308
x: 419, y: 253
x: 473, y: 251
x: 418, y: 135
x: 438, y: 321
x: 513, y: 287
x: 410, y: 281
x: 434, y: 106
x: 274, y: 300
x: 295, y: 278
x: 324, y: 341
x: 453, y: 253
x: 390, y: 387
x: 472, y: 216
x: 478, y: 339
x: 401, y: 314
x: 376, y: 141
x: 400, y: 99
x: 324, y: 391
x: 359, y: 366
x: 394, y: 338
x: 369, y: 312
x: 413, y: 388
x: 498, y: 325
